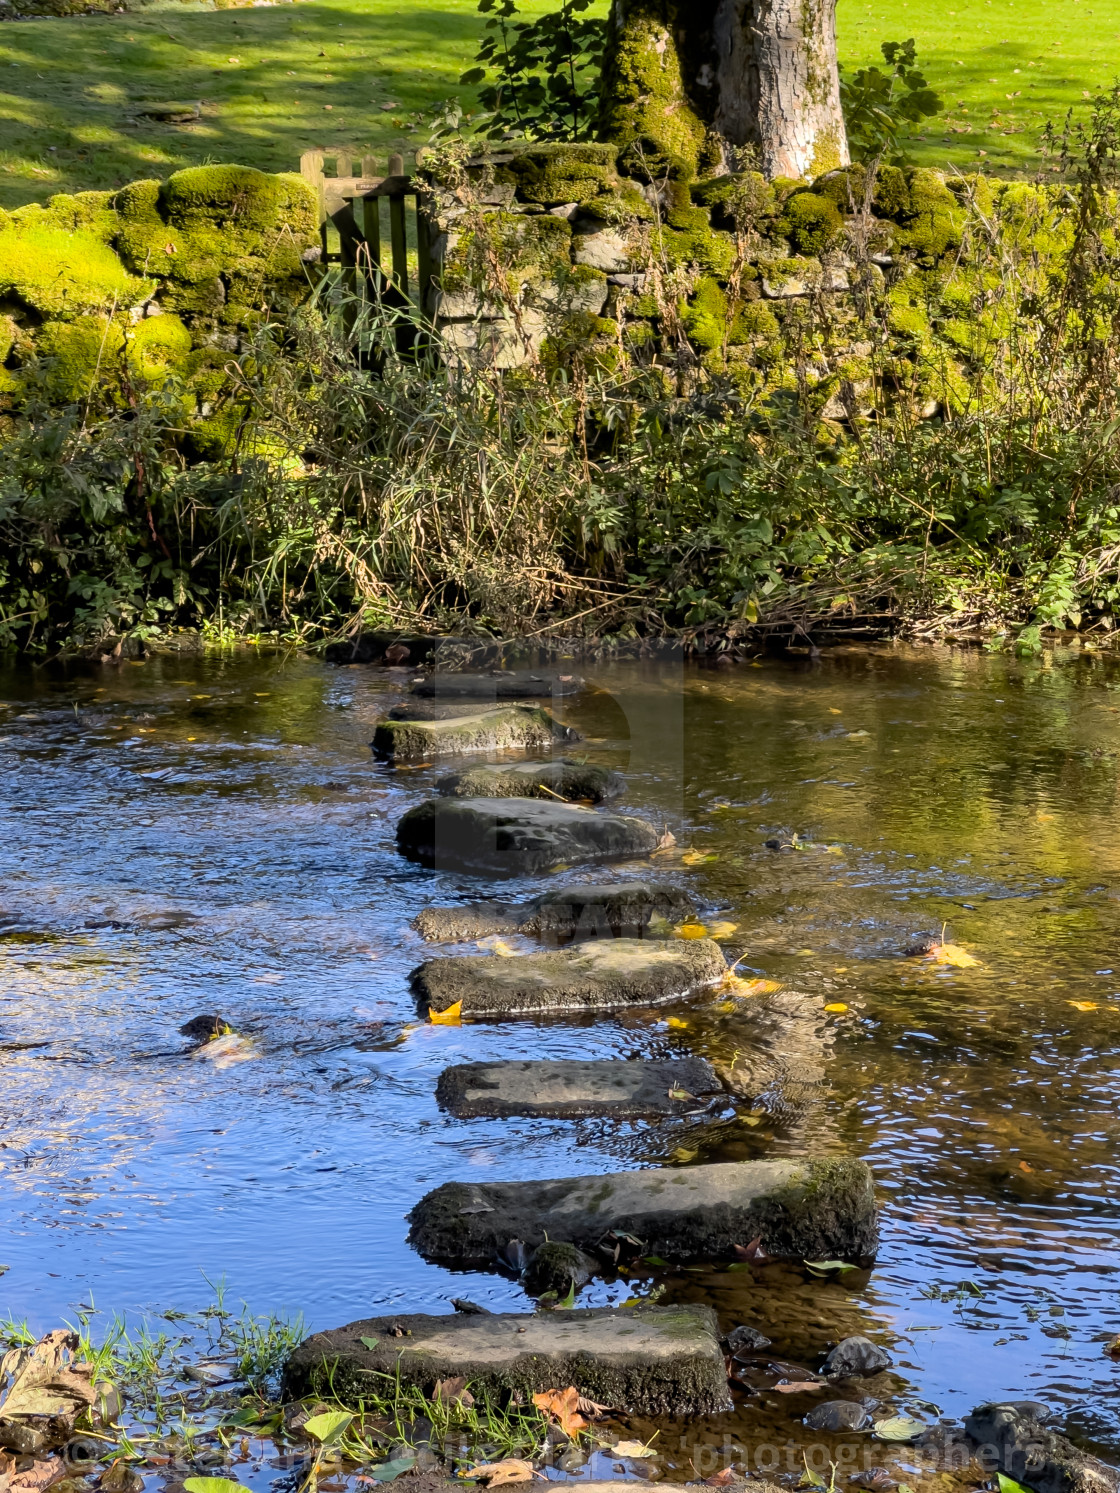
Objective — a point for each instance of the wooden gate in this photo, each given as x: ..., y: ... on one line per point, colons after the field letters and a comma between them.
x: 353, y: 233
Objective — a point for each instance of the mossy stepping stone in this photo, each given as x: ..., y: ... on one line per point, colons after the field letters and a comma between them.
x: 517, y: 727
x: 650, y: 1360
x: 563, y: 779
x: 516, y: 836
x: 601, y: 975
x: 800, y: 1209
x: 572, y: 1087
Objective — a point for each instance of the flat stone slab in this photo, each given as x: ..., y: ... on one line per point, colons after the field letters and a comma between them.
x: 519, y: 727
x: 517, y: 836
x: 570, y: 1088
x: 596, y: 976
x: 650, y: 1360
x: 500, y: 684
x: 801, y: 1209
x: 559, y: 779
x: 626, y: 909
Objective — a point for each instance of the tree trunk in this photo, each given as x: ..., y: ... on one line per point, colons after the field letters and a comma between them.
x: 686, y: 81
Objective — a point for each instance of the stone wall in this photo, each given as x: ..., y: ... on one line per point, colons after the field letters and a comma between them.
x: 552, y: 255
x: 158, y: 280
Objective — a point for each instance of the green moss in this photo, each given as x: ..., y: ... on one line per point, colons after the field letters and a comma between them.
x: 1033, y: 222
x: 157, y: 346
x: 59, y: 273
x: 754, y: 320
x: 935, y: 221
x: 645, y: 108
x: 223, y: 238
x: 712, y: 251
x: 528, y: 248
x: 552, y: 174
x: 623, y: 205
x: 705, y: 316
x: 811, y: 222
x: 80, y: 356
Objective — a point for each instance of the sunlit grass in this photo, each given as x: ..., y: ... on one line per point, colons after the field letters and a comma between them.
x: 274, y: 80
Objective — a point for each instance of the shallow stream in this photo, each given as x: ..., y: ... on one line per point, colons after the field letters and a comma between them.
x: 211, y: 834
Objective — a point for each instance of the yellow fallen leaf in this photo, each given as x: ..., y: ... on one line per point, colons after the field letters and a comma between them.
x: 684, y: 1153
x: 697, y: 857
x: 1083, y: 1005
x: 838, y: 1006
x: 832, y: 710
x: 834, y: 850
x: 1044, y: 817
x: 495, y: 1474
x: 722, y: 929
x: 690, y: 930
x: 1025, y: 1166
x: 677, y: 1024
x: 736, y: 985
x: 453, y: 1016
x: 952, y: 953
x: 495, y: 945
x: 631, y: 1449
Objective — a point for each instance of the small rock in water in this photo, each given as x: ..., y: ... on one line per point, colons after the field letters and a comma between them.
x: 856, y: 1358
x: 558, y: 1268
x: 208, y: 1373
x: 203, y: 1028
x: 838, y: 1415
x: 746, y: 1340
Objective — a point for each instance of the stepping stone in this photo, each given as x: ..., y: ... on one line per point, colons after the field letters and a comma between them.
x: 553, y: 780
x: 800, y: 1209
x: 648, y: 1360
x: 596, y: 976
x: 571, y: 1088
x: 523, y: 727
x: 625, y: 909
x: 517, y: 836
x: 500, y: 685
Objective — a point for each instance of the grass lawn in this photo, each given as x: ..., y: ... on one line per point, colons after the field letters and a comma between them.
x: 276, y: 79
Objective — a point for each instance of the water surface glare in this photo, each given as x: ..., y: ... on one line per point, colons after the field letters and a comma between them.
x: 211, y: 834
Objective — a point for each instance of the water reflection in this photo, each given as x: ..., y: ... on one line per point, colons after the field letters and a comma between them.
x: 212, y: 835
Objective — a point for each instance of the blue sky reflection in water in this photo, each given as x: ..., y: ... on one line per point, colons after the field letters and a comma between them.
x: 190, y: 835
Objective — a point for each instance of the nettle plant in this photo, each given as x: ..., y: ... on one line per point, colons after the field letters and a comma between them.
x: 540, y: 76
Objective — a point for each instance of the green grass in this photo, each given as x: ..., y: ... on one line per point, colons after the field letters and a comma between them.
x: 266, y: 74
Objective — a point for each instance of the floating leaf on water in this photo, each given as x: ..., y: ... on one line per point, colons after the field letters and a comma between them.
x: 562, y: 1406
x: 799, y: 1386
x: 684, y: 1153
x: 658, y: 1262
x: 722, y: 929
x: 952, y: 953
x: 213, y: 1485
x: 837, y: 1007
x: 385, y: 1472
x: 495, y: 945
x: 824, y: 1267
x: 452, y: 1016
x: 855, y: 735
x: 325, y: 1427
x: 632, y: 1449
x: 690, y: 930
x: 733, y: 984
x: 898, y: 1428
x: 494, y: 1474
x: 682, y: 1094
x: 1083, y: 1005
x: 677, y: 1024
x: 371, y: 1342
x: 698, y: 857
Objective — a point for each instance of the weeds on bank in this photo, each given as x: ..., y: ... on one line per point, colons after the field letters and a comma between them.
x: 621, y: 495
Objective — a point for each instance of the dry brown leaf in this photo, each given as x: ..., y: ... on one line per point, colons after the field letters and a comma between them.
x: 752, y: 1251
x: 454, y: 1392
x: 798, y: 1387
x: 720, y: 1479
x: 508, y: 1470
x: 46, y: 1380
x: 592, y: 1408
x: 41, y: 1474
x: 562, y: 1406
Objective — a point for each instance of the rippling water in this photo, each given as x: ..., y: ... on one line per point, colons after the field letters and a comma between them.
x: 210, y: 834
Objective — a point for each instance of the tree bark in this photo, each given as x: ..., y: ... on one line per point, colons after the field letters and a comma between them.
x: 686, y: 81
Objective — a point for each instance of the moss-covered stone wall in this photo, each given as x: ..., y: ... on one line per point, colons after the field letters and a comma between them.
x: 157, y: 283
x: 555, y: 254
